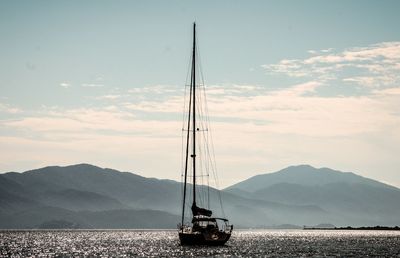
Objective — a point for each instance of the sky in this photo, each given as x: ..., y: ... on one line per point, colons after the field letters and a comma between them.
x: 288, y: 83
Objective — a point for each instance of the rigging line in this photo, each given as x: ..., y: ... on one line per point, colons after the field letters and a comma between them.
x: 204, y: 172
x: 186, y: 159
x: 203, y: 168
x: 188, y: 71
x: 207, y: 163
x: 215, y: 174
x: 202, y: 161
x: 200, y: 62
x: 183, y: 134
x: 205, y: 122
x: 184, y: 116
x: 204, y: 118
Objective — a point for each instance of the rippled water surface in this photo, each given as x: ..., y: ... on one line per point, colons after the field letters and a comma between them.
x: 144, y: 243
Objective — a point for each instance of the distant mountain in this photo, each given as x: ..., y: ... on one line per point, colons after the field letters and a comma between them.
x: 86, y: 196
x: 47, y: 184
x: 346, y: 197
x: 304, y: 175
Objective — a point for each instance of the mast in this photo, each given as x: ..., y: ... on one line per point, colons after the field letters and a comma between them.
x: 186, y: 156
x: 192, y: 109
x: 194, y: 113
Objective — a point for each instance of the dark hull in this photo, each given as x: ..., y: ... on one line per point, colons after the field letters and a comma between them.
x: 203, y: 238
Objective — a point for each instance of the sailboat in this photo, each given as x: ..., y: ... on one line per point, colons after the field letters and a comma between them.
x: 200, y: 227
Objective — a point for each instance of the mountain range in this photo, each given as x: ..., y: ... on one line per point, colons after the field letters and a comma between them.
x: 86, y: 196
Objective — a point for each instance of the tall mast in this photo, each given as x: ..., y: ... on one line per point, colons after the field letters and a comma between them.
x: 194, y: 112
x: 192, y: 109
x: 187, y: 156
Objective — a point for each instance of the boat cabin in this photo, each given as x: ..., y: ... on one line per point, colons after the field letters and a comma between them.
x: 201, y: 223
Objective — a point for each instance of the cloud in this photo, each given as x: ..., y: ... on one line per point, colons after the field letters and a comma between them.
x: 92, y: 85
x: 173, y: 104
x: 232, y: 89
x: 374, y: 66
x: 388, y: 92
x: 327, y: 50
x: 293, y: 110
x: 389, y: 51
x: 300, y: 89
x: 6, y: 108
x: 109, y: 97
x: 362, y: 80
x: 65, y: 85
x: 157, y: 89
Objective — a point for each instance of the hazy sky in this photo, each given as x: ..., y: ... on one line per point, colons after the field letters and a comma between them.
x: 290, y: 82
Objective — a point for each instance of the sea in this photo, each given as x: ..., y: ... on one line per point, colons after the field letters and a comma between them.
x: 165, y: 243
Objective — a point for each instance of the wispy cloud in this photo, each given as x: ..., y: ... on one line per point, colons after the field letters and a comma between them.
x: 388, y: 92
x: 92, y: 85
x: 156, y: 89
x: 6, y: 108
x: 374, y: 66
x: 299, y: 89
x: 368, y: 81
x: 108, y: 97
x: 65, y: 85
x: 233, y: 89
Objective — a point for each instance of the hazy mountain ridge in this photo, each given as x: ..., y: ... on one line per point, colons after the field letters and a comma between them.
x: 304, y: 175
x: 130, y: 189
x: 350, y: 198
x: 74, y: 194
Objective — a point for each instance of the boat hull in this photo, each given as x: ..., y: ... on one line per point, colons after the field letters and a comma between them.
x: 198, y: 238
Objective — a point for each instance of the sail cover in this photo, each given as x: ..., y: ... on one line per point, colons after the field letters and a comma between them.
x: 200, y: 211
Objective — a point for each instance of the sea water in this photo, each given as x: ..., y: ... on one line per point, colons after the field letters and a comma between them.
x: 165, y: 243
